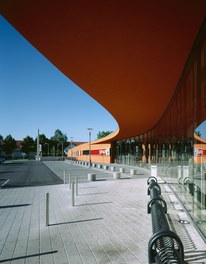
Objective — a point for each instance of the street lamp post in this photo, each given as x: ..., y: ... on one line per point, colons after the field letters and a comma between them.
x: 90, y: 132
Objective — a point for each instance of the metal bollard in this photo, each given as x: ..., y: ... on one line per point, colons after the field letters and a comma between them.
x: 47, y: 209
x: 76, y: 182
x: 70, y: 181
x: 64, y: 177
x: 72, y: 193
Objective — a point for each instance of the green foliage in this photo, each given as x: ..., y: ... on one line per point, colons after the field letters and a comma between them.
x: 57, y: 142
x: 9, y: 145
x: 59, y: 136
x: 102, y: 134
x: 53, y: 146
x: 42, y: 140
x: 198, y: 133
x: 28, y: 145
x: 1, y: 141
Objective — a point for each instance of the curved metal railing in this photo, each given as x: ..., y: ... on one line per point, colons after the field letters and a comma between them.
x: 164, y: 246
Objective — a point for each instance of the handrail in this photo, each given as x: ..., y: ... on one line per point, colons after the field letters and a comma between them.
x: 164, y: 246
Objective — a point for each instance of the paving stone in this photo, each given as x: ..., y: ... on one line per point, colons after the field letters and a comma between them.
x: 109, y: 223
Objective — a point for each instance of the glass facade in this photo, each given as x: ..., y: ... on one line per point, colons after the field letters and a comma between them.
x: 175, y: 144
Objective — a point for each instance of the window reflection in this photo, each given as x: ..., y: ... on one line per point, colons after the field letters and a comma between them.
x: 177, y: 144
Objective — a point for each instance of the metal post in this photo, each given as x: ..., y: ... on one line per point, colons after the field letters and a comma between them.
x: 76, y: 181
x: 47, y: 209
x: 72, y: 193
x: 70, y: 180
x: 64, y: 177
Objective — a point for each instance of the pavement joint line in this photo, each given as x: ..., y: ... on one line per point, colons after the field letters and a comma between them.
x: 2, y: 185
x: 121, y: 235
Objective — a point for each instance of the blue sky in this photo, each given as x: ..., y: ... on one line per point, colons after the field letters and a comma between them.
x: 36, y: 95
x: 202, y: 129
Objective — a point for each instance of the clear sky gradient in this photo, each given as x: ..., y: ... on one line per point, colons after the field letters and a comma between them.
x: 36, y: 95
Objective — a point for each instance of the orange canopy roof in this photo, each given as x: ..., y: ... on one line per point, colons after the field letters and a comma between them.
x: 128, y: 55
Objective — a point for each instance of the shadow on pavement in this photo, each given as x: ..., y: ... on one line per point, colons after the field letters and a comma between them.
x: 13, y: 206
x: 77, y: 221
x: 29, y: 256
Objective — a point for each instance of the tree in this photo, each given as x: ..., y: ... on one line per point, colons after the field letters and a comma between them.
x: 1, y: 141
x: 28, y: 145
x: 59, y: 136
x: 102, y: 134
x: 43, y: 139
x: 198, y: 133
x: 9, y: 145
x: 44, y: 142
x: 57, y: 142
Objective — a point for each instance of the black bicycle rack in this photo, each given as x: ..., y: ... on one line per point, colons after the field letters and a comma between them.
x: 164, y: 246
x: 189, y: 185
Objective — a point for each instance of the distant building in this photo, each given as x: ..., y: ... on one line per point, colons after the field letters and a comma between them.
x: 145, y: 62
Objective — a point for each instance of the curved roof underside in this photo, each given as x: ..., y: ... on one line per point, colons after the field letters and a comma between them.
x: 128, y: 55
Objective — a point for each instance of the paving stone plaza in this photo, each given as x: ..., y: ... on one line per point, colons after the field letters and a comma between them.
x: 107, y: 222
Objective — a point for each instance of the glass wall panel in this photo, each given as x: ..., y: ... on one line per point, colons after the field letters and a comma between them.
x: 177, y: 144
